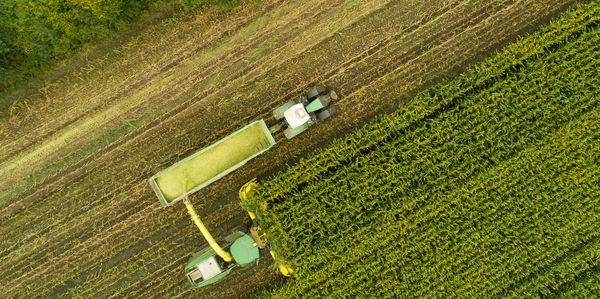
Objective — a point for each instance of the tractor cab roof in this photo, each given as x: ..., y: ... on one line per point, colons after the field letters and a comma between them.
x: 296, y: 115
x: 209, y: 268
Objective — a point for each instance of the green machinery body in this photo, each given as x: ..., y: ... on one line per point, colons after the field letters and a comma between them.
x: 206, y: 267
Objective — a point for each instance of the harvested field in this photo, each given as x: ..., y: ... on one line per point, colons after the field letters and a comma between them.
x: 76, y: 213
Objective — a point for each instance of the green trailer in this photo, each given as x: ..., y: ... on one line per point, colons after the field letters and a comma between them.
x: 211, y: 163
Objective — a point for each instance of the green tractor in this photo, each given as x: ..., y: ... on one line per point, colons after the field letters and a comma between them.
x: 297, y: 116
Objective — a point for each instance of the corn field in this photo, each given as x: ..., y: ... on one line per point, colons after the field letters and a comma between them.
x: 484, y: 185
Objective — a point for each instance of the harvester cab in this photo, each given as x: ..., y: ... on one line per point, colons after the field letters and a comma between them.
x: 296, y: 116
x: 206, y: 266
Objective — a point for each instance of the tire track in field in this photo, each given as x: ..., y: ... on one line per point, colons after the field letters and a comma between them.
x: 170, y: 92
x: 170, y: 63
x: 401, y: 77
x: 220, y: 221
x: 171, y: 270
x: 259, y: 41
x: 265, y: 113
x: 141, y: 218
x: 74, y: 213
x: 156, y: 235
x: 180, y: 232
x: 69, y: 257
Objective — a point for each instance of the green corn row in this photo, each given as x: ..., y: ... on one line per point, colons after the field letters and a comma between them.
x: 483, y: 185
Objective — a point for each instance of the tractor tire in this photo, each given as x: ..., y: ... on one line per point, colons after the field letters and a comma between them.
x: 311, y: 94
x: 332, y: 110
x: 315, y: 92
x: 333, y: 96
x: 327, y: 113
x: 303, y: 100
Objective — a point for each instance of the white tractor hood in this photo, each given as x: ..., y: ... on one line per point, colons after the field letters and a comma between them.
x: 296, y: 115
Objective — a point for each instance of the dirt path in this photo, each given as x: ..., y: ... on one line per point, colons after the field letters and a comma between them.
x: 95, y: 228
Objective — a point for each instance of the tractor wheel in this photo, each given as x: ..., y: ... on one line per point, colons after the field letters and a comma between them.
x: 303, y: 100
x: 333, y: 96
x: 333, y: 110
x: 315, y: 92
x: 321, y: 89
x: 327, y: 113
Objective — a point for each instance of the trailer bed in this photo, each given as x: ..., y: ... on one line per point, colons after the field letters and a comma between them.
x: 211, y: 163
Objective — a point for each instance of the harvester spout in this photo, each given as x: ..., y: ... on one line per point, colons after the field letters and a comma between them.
x: 211, y: 241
